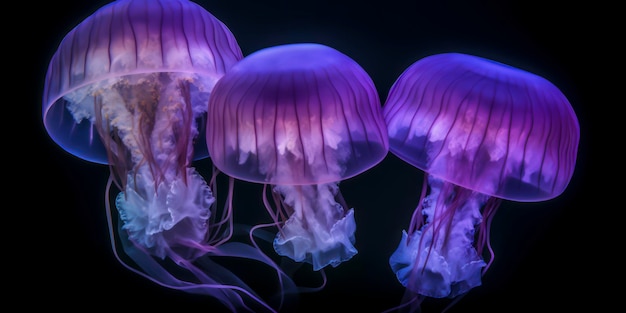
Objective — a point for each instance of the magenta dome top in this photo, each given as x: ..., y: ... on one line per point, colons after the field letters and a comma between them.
x: 296, y: 114
x: 483, y: 125
x: 130, y: 39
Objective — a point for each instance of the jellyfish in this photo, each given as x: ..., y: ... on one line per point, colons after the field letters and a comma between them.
x: 299, y: 118
x: 129, y: 87
x: 482, y: 132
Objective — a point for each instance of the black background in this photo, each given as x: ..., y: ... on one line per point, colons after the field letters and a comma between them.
x: 540, y: 262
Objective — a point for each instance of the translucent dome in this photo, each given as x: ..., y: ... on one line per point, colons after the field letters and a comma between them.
x: 483, y: 125
x: 148, y: 46
x: 296, y: 114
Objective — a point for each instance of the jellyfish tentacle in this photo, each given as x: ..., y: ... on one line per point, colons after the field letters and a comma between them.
x: 158, y: 191
x: 483, y: 236
x: 152, y: 270
x: 320, y: 231
x: 280, y: 213
x: 487, y: 131
x: 440, y: 259
x: 210, y: 278
x: 173, y: 216
x: 299, y: 119
x: 139, y: 73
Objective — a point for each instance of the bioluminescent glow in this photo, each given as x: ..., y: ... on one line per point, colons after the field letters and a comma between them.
x: 129, y: 87
x: 299, y: 118
x: 482, y: 131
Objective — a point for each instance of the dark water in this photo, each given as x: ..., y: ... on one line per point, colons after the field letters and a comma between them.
x: 537, y: 245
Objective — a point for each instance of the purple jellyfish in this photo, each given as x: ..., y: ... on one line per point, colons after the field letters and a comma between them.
x: 301, y: 118
x: 482, y: 131
x: 129, y: 87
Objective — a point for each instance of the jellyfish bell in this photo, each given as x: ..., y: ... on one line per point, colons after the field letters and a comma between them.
x: 513, y: 130
x: 482, y: 132
x: 299, y: 117
x: 158, y: 46
x: 129, y: 87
